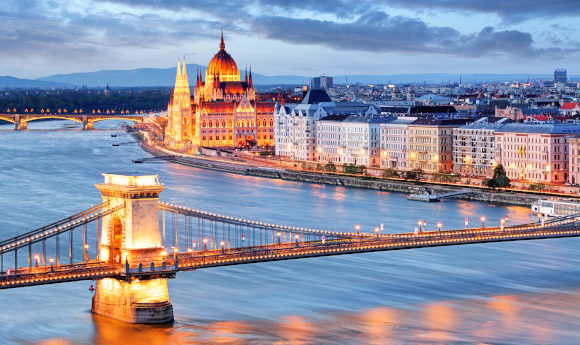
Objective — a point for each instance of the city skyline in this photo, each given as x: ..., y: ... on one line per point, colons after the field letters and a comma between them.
x: 298, y: 38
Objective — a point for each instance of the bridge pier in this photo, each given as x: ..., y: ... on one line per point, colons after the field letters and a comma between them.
x: 19, y: 124
x: 87, y: 125
x: 131, y: 240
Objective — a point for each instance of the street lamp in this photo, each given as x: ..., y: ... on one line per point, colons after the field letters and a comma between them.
x: 420, y: 223
x: 377, y: 230
x: 175, y: 251
x: 278, y: 234
x: 37, y: 259
x: 223, y: 243
x: 296, y: 237
x: 205, y: 244
x: 51, y: 260
x: 357, y: 227
x: 439, y: 226
x: 482, y: 222
x: 501, y: 223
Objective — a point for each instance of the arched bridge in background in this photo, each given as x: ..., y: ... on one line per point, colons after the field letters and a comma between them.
x: 132, y: 243
x: 21, y: 121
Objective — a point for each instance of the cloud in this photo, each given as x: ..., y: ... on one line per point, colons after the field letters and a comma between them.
x: 379, y: 32
x: 507, y: 9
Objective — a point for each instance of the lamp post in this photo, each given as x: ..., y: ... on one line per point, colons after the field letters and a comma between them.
x: 420, y: 223
x: 439, y: 226
x: 223, y: 243
x: 278, y: 234
x: 296, y: 237
x: 51, y: 260
x: 377, y: 230
x: 175, y: 251
x: 86, y: 256
x: 357, y: 227
x: 501, y: 224
x: 482, y: 222
x: 205, y: 244
x: 37, y: 259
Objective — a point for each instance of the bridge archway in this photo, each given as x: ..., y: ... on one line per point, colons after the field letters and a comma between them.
x: 116, y: 231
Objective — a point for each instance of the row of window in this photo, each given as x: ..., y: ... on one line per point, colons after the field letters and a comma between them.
x: 240, y: 123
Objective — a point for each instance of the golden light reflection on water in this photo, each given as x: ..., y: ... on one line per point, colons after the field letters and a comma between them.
x: 511, y: 319
x: 377, y: 324
x: 295, y: 330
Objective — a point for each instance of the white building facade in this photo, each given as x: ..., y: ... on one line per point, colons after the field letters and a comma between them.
x: 474, y: 147
x: 394, y: 143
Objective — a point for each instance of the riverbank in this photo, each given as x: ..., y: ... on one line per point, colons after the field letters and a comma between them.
x: 243, y: 168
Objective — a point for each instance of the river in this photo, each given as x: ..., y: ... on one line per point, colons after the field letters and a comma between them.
x: 504, y: 293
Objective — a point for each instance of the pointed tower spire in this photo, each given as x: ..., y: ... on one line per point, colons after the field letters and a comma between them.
x: 251, y: 81
x: 246, y: 77
x: 222, y: 44
x: 184, y: 73
x: 178, y: 68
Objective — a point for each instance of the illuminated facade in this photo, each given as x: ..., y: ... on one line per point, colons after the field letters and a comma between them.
x: 535, y: 153
x: 431, y: 144
x: 394, y: 143
x: 474, y: 147
x: 574, y: 159
x: 224, y: 111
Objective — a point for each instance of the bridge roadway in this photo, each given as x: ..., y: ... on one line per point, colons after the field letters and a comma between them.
x: 354, y: 243
x: 21, y: 121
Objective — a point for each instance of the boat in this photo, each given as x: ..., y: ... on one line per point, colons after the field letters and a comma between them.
x: 556, y: 208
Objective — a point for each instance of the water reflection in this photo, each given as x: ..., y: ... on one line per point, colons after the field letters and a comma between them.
x: 508, y: 293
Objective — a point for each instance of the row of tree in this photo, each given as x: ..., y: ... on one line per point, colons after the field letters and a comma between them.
x: 499, y: 179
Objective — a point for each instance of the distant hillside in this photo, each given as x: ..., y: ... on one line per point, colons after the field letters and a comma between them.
x: 437, y: 78
x: 7, y: 82
x: 153, y: 77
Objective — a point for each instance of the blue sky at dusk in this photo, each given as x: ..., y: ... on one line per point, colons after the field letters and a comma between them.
x: 292, y: 37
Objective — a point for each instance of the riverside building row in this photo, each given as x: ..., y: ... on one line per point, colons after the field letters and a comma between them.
x: 318, y: 130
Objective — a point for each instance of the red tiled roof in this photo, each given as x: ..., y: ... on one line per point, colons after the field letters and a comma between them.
x: 570, y: 106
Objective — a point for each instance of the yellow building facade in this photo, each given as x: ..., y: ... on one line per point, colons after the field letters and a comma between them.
x: 431, y: 144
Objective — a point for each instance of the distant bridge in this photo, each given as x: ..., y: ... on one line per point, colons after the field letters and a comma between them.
x: 139, y: 240
x: 21, y: 121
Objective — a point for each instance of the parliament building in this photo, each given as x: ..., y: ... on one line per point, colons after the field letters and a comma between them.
x: 224, y: 111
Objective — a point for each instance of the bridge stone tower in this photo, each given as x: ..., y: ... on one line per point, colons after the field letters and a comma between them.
x: 131, y: 241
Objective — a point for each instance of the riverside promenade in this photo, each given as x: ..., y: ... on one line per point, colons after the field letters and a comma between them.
x: 263, y: 169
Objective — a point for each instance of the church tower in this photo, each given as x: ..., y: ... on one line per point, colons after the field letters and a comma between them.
x: 179, y: 126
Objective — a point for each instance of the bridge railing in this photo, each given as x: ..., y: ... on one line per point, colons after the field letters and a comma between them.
x: 38, y: 256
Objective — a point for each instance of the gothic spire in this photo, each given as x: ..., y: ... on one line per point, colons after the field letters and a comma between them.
x: 222, y: 44
x: 250, y: 81
x: 184, y: 73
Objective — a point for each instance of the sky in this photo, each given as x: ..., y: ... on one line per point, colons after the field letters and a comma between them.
x: 292, y: 37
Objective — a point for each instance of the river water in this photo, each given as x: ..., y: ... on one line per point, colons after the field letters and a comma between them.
x: 505, y: 293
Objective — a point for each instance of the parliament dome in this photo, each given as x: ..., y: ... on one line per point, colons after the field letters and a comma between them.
x: 223, y: 65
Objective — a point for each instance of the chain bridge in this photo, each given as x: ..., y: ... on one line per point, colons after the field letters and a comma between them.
x: 21, y: 121
x: 132, y: 243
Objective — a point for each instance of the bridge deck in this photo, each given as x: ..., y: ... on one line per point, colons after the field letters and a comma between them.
x: 565, y: 227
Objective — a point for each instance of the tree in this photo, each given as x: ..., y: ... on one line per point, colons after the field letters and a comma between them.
x: 330, y: 167
x: 354, y: 169
x: 390, y: 172
x: 416, y: 174
x: 499, y: 179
